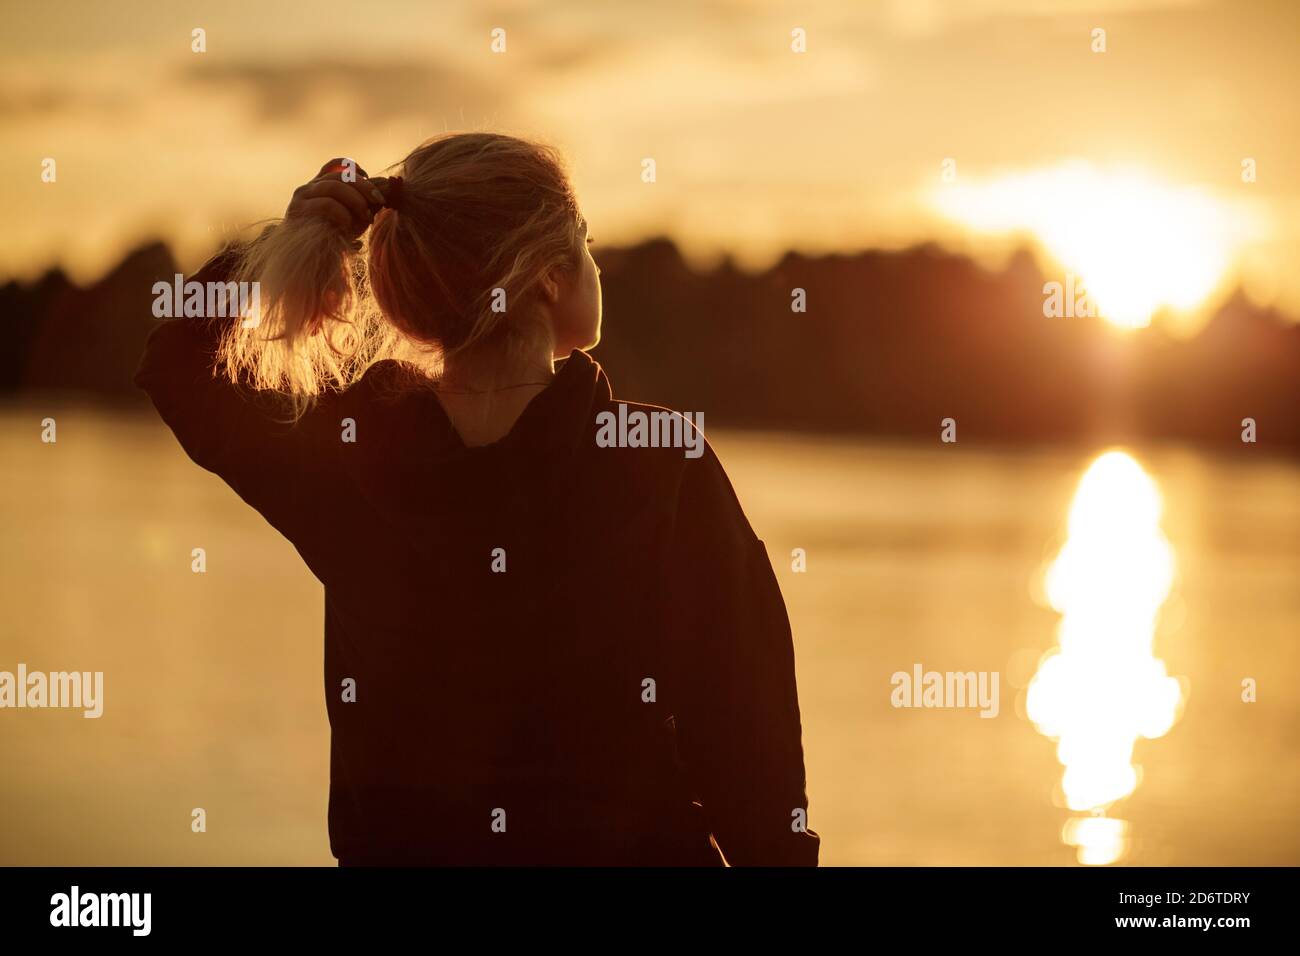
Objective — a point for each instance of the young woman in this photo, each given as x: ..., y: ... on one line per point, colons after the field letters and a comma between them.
x: 538, y: 649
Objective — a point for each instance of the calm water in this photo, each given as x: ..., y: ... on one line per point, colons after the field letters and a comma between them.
x: 929, y: 556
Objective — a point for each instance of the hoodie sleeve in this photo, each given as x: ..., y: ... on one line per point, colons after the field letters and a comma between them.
x: 737, y: 715
x: 225, y: 428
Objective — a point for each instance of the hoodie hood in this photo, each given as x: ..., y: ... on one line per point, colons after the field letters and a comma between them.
x: 413, y: 466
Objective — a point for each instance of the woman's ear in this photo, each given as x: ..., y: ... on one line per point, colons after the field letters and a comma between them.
x: 549, y: 287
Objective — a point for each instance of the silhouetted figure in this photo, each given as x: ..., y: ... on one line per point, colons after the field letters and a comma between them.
x: 538, y: 649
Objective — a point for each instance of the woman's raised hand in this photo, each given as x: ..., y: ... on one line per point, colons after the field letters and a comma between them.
x: 341, y: 193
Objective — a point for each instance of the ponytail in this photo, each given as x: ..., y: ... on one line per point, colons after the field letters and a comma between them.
x: 482, y: 216
x: 317, y: 327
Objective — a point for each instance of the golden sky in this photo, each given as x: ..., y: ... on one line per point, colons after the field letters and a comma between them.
x: 758, y: 148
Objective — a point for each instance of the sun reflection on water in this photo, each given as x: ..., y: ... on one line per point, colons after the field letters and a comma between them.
x: 1102, y: 688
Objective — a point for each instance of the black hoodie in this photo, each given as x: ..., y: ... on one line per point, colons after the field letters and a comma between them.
x: 540, y: 651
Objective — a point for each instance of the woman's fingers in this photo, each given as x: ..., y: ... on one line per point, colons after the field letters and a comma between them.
x: 342, y: 193
x: 350, y: 210
x: 323, y: 208
x: 344, y: 170
x: 369, y: 194
x: 349, y: 204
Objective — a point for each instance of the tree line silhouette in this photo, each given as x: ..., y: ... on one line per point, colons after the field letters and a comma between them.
x: 890, y: 344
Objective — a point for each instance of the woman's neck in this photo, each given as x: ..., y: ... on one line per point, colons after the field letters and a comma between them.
x: 484, y: 393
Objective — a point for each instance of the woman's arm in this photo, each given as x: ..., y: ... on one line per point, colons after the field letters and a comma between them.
x: 738, y: 708
x: 235, y: 432
x: 242, y: 434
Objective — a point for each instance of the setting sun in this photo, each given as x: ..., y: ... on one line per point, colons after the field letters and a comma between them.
x: 1137, y: 244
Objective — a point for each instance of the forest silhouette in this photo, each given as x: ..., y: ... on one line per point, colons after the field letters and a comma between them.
x: 890, y: 344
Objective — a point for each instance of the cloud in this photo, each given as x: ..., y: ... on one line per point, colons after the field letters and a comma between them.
x: 383, y: 89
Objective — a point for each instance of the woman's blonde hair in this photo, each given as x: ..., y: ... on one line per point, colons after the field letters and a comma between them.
x: 479, y: 212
